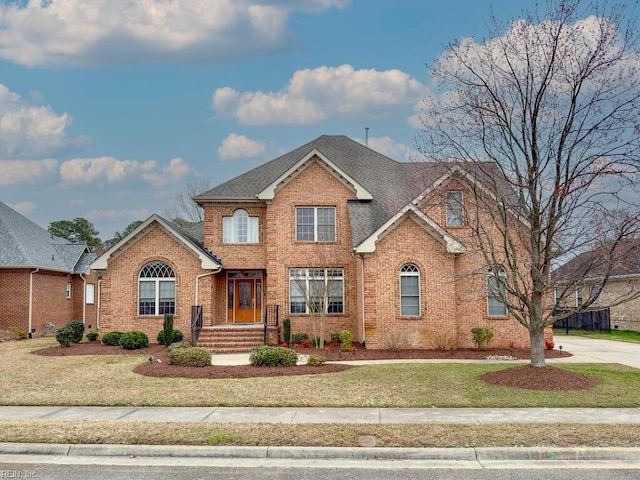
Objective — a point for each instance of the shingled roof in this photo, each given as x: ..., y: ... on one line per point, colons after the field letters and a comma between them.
x: 392, y: 184
x: 596, y: 263
x: 24, y: 244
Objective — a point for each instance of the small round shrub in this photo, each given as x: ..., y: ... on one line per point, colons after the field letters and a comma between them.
x: 134, y: 340
x: 315, y: 360
x: 112, y: 338
x: 19, y: 333
x: 77, y: 329
x: 64, y: 336
x: 92, y: 336
x: 188, y: 356
x: 299, y: 337
x: 178, y: 345
x: 176, y: 336
x: 273, y: 356
x: 481, y: 337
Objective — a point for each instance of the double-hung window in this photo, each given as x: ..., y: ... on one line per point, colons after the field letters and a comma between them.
x: 316, y: 290
x: 579, y: 299
x: 240, y: 228
x: 455, y: 210
x: 156, y: 289
x: 409, y: 291
x: 496, y: 292
x: 315, y: 224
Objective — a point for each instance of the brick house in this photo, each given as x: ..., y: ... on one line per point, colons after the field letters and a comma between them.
x: 384, y: 241
x: 579, y: 283
x: 43, y: 279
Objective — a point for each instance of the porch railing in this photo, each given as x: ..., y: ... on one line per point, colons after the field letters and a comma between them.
x: 196, y: 323
x: 271, y: 319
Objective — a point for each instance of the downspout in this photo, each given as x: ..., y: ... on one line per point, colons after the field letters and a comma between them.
x: 84, y: 299
x: 98, y: 305
x: 198, y: 277
x: 31, y: 300
x: 364, y: 340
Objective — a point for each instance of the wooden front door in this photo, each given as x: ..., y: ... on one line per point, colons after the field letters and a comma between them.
x: 246, y: 300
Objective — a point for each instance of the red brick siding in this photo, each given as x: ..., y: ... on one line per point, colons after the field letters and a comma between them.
x: 14, y: 299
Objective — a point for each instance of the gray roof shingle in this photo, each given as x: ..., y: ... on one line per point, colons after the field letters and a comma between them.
x: 23, y: 244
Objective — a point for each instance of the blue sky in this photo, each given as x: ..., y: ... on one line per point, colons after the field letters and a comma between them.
x: 109, y: 108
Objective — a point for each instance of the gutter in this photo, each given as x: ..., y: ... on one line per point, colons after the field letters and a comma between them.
x: 198, y: 277
x: 364, y: 340
x: 99, y: 292
x: 31, y: 300
x: 84, y: 299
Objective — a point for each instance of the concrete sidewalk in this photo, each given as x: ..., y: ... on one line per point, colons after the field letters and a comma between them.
x: 302, y: 415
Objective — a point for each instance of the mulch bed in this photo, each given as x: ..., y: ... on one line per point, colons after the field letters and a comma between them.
x: 547, y: 378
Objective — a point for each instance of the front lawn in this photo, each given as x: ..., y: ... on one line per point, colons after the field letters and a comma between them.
x: 109, y: 380
x: 630, y: 336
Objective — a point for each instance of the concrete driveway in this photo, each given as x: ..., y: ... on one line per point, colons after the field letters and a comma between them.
x: 591, y: 350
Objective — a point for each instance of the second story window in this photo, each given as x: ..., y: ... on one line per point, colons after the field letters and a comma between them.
x: 455, y: 211
x: 240, y: 228
x: 315, y: 224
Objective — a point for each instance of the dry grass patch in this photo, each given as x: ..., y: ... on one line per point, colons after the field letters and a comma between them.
x: 318, y: 435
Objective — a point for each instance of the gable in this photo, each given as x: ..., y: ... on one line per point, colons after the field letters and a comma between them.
x: 207, y: 259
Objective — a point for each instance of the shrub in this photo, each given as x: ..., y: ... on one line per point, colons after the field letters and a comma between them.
x: 167, y: 331
x: 188, y: 356
x: 441, y: 341
x: 549, y: 344
x: 481, y: 337
x: 305, y: 343
x: 315, y: 360
x: 134, y: 340
x: 175, y: 336
x: 65, y: 336
x: 299, y: 337
x: 112, y: 338
x: 77, y: 329
x: 393, y: 340
x: 18, y: 333
x: 335, y: 337
x: 92, y: 336
x: 273, y: 356
x: 345, y: 340
x: 286, y: 330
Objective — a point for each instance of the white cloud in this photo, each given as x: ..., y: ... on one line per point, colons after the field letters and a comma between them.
x: 77, y: 32
x: 313, y: 95
x: 13, y: 172
x: 97, y: 215
x: 76, y: 202
x: 169, y: 175
x: 23, y: 207
x: 87, y: 170
x: 236, y: 147
x: 389, y: 147
x: 30, y: 130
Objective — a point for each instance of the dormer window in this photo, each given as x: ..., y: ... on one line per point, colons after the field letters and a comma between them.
x: 455, y: 210
x: 240, y: 228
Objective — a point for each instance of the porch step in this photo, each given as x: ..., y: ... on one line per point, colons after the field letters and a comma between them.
x: 231, y: 338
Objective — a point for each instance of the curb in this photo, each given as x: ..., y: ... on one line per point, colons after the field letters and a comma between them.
x: 355, y: 453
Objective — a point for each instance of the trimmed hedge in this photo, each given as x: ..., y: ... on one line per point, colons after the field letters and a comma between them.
x: 316, y: 360
x: 134, y: 340
x: 273, y: 356
x: 64, y: 336
x: 112, y: 338
x: 77, y: 330
x: 188, y: 356
x: 93, y: 335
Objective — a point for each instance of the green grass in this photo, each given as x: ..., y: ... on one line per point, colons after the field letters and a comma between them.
x: 630, y: 336
x: 109, y: 380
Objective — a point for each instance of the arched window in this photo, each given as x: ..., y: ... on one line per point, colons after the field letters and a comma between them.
x: 410, y: 291
x: 156, y: 289
x: 240, y: 228
x: 496, y: 292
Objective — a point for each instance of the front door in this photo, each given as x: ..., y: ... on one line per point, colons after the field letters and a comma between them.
x: 245, y: 305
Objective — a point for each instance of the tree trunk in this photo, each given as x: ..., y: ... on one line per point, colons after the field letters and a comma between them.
x: 536, y: 337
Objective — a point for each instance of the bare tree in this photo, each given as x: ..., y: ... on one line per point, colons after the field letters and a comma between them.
x: 317, y: 291
x: 544, y: 117
x: 184, y: 210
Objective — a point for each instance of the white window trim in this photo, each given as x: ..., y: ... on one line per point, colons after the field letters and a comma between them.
x: 490, y: 274
x: 157, y: 281
x: 579, y: 297
x: 416, y: 274
x: 326, y: 279
x: 315, y: 224
x: 67, y: 293
x: 231, y: 236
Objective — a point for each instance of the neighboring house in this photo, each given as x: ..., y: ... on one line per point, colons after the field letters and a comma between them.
x: 44, y: 280
x: 584, y: 275
x: 387, y: 241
